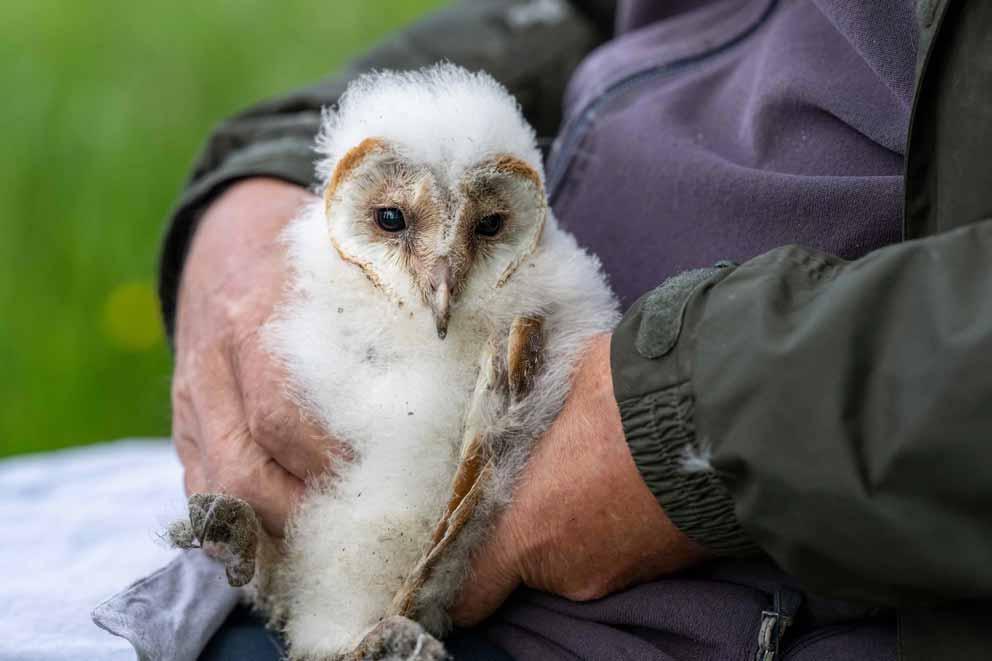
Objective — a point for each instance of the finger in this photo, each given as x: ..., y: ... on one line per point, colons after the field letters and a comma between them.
x: 184, y: 435
x: 271, y: 491
x: 241, y: 468
x: 233, y: 462
x: 492, y: 579
x: 280, y: 425
x: 194, y: 477
x: 289, y: 434
x: 194, y: 482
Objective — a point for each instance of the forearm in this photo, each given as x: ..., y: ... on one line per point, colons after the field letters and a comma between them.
x: 274, y: 139
x: 843, y: 407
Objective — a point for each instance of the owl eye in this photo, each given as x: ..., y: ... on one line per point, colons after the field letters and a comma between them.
x: 390, y: 219
x: 489, y: 225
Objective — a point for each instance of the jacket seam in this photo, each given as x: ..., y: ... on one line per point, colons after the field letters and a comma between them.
x: 578, y: 129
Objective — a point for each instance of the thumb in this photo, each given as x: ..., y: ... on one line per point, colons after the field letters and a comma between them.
x: 492, y: 577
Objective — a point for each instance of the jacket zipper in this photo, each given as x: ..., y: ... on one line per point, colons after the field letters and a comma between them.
x: 775, y: 623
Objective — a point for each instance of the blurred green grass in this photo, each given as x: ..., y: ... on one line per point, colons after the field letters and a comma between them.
x: 104, y: 105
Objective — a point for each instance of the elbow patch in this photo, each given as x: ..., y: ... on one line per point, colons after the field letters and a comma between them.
x: 662, y: 313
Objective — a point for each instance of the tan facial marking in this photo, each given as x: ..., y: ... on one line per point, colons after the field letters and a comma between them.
x: 365, y: 266
x: 352, y: 158
x: 513, y: 165
x: 422, y: 196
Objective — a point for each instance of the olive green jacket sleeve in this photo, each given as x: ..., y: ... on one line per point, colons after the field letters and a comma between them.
x: 532, y: 54
x: 838, y: 415
x: 844, y: 408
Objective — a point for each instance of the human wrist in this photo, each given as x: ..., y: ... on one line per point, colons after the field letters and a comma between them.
x: 651, y: 360
x: 676, y: 468
x: 588, y: 468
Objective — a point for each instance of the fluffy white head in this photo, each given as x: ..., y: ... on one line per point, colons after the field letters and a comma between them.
x: 442, y: 115
x: 433, y: 186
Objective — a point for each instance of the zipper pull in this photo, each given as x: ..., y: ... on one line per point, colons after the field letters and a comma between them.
x: 775, y: 623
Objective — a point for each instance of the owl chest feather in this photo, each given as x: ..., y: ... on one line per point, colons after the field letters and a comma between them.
x: 380, y: 380
x: 395, y: 377
x: 366, y: 361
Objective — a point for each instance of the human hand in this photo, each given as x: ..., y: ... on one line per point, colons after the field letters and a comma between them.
x: 234, y: 428
x: 582, y: 523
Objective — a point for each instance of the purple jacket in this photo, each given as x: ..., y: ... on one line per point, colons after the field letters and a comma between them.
x: 735, y: 127
x: 710, y: 130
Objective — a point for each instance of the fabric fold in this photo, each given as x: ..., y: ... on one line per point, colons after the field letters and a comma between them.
x: 172, y: 613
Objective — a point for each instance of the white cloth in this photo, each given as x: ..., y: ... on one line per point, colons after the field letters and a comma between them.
x: 77, y: 526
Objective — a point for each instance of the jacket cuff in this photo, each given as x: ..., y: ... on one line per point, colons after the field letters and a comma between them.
x: 662, y: 441
x: 290, y: 159
x: 649, y: 356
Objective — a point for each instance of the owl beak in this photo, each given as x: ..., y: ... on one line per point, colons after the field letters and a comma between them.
x: 441, y: 296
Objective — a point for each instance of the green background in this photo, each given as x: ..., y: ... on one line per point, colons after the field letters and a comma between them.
x: 104, y: 105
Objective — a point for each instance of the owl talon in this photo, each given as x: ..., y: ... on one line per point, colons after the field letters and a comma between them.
x: 226, y: 528
x: 398, y: 639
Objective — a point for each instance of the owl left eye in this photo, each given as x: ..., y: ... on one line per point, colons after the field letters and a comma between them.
x: 390, y: 219
x: 489, y: 225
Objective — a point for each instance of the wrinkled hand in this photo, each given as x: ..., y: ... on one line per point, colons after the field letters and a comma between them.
x: 582, y: 523
x: 234, y: 428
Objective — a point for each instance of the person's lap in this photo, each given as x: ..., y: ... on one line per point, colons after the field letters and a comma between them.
x: 243, y: 637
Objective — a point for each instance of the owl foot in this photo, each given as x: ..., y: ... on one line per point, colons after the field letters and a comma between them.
x: 398, y: 639
x: 226, y: 528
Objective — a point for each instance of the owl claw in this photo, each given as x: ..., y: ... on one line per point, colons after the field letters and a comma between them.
x: 226, y: 528
x: 398, y: 639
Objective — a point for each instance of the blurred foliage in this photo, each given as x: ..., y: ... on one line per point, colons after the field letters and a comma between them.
x: 105, y: 103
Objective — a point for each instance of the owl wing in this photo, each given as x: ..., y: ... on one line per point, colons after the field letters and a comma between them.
x: 506, y: 376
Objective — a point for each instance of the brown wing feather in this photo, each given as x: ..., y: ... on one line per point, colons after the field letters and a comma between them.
x: 514, y: 375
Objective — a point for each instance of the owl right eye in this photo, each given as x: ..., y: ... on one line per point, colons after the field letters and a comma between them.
x: 390, y: 219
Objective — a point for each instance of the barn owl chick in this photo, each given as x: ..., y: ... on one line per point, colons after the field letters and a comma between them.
x: 436, y: 313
